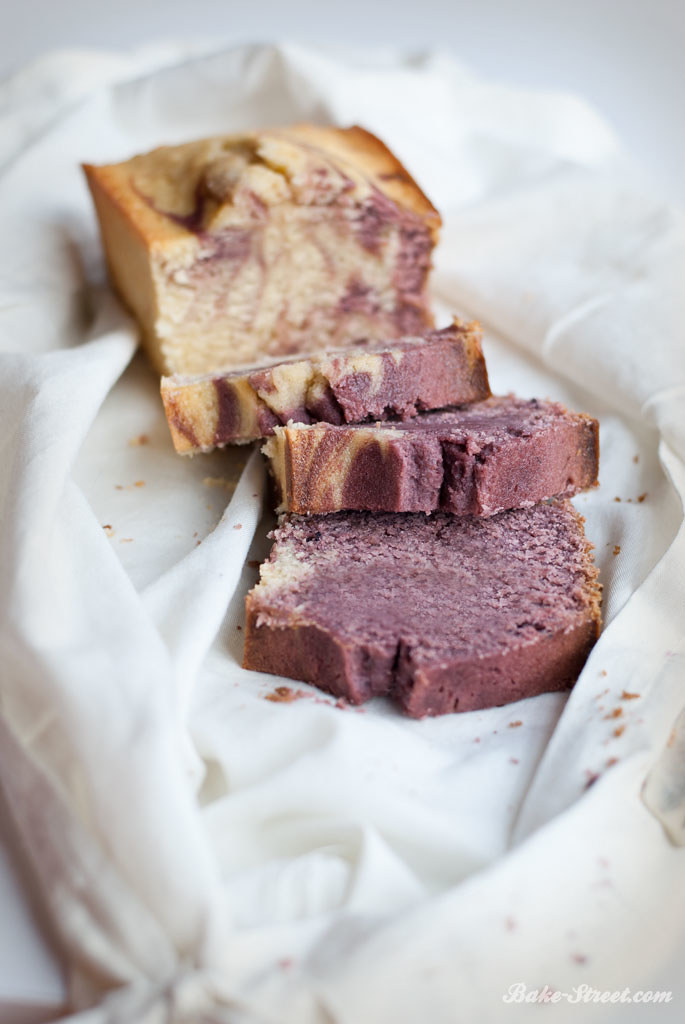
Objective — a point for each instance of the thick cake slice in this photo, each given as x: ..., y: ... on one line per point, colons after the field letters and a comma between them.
x: 371, y: 380
x: 232, y: 249
x: 440, y: 612
x: 504, y: 452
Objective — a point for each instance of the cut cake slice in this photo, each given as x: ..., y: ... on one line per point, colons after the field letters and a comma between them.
x: 504, y: 452
x: 370, y: 380
x: 442, y: 613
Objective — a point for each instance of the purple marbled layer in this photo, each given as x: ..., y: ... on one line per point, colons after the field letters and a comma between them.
x: 502, y: 453
x: 444, y: 367
x: 440, y: 612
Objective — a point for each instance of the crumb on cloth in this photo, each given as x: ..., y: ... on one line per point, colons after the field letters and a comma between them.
x: 219, y: 481
x: 284, y: 695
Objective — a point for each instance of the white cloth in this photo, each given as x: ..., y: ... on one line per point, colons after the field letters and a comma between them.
x: 204, y: 851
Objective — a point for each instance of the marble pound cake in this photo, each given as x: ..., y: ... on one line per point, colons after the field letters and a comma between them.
x: 368, y: 380
x: 234, y: 249
x: 442, y: 613
x: 500, y: 453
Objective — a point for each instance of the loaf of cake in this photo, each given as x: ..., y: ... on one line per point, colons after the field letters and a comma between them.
x: 369, y: 380
x: 234, y: 249
x: 442, y: 613
x: 501, y: 453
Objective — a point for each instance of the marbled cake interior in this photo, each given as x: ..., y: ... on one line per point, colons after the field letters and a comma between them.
x: 504, y: 452
x: 443, y: 612
x: 366, y: 381
x: 268, y: 244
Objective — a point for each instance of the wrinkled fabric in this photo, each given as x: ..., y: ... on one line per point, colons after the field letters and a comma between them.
x: 206, y: 853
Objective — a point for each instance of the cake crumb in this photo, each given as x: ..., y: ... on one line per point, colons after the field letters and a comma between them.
x: 284, y: 695
x: 108, y: 528
x: 579, y: 958
x: 641, y: 497
x: 603, y: 672
x: 218, y: 481
x: 636, y: 458
x: 476, y: 739
x: 619, y: 730
x: 616, y: 713
x: 118, y: 487
x: 617, y: 499
x: 625, y: 695
x: 135, y: 442
x: 591, y: 778
x: 126, y: 540
x: 514, y: 725
x: 611, y: 762
x: 237, y: 526
x: 239, y: 627
x: 139, y: 483
x: 513, y: 760
x: 617, y: 549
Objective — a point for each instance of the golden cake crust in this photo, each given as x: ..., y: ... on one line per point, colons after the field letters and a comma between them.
x: 181, y: 166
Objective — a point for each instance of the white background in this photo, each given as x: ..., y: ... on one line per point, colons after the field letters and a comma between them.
x: 624, y: 56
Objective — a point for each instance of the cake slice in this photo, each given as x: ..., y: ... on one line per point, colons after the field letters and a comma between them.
x: 232, y: 249
x: 370, y: 380
x: 442, y: 613
x: 501, y: 453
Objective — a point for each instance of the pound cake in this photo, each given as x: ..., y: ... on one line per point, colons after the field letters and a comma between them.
x: 442, y: 613
x: 501, y: 453
x: 370, y: 380
x: 234, y: 249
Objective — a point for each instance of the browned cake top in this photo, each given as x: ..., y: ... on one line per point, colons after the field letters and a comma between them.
x: 210, y: 184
